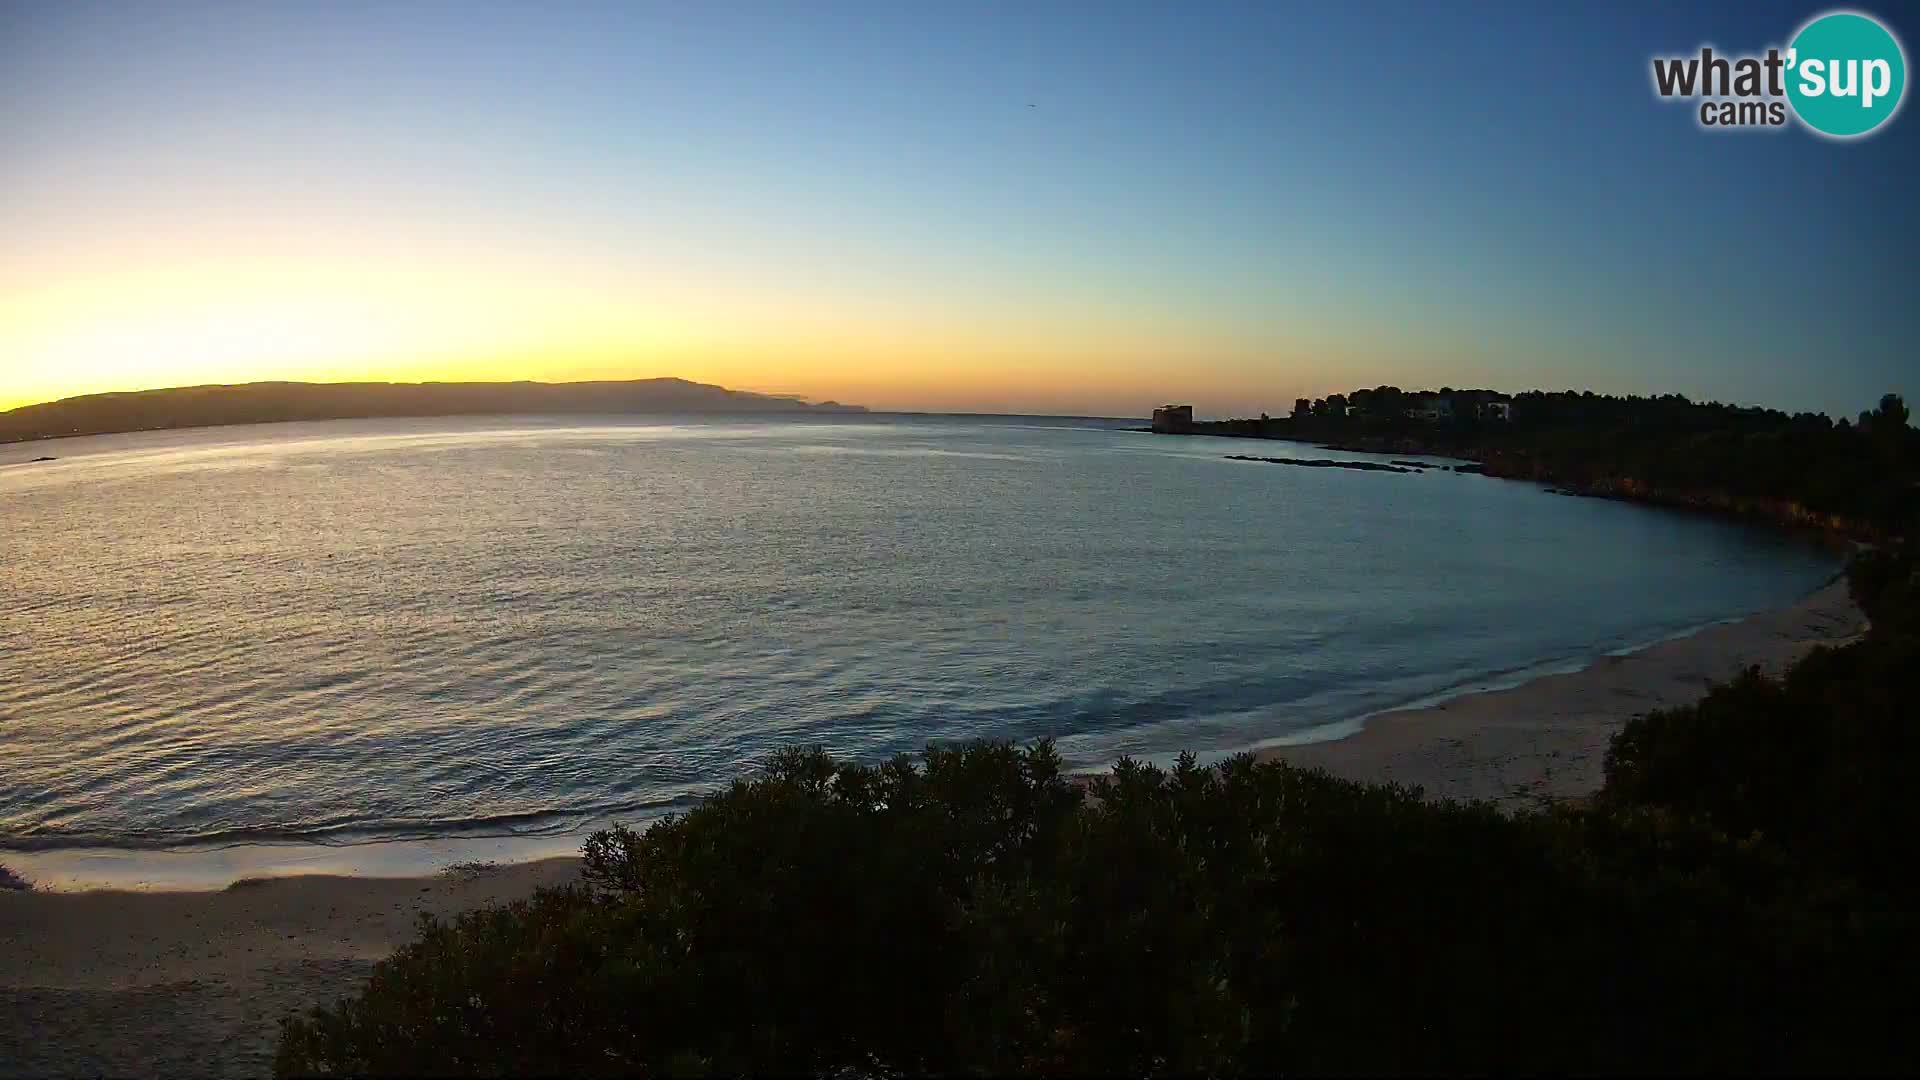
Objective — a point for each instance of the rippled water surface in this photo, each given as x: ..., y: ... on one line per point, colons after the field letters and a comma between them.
x: 353, y: 630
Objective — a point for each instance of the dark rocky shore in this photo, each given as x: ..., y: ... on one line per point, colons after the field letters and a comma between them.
x: 1519, y: 464
x: 1324, y: 463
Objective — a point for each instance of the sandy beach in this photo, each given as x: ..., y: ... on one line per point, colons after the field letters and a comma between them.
x: 195, y: 983
x: 183, y: 983
x: 1547, y: 739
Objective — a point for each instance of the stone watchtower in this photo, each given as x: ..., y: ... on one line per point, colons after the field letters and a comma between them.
x: 1173, y: 418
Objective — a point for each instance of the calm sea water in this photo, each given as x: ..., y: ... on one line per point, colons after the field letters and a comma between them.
x: 359, y: 630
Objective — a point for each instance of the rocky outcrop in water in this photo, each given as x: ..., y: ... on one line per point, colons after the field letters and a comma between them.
x: 1323, y: 463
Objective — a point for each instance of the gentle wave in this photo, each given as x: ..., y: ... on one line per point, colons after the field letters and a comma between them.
x: 346, y: 834
x: 412, y: 629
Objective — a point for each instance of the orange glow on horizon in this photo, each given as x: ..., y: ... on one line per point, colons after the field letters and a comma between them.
x: 348, y: 319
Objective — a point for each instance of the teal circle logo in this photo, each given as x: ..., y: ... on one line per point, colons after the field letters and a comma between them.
x: 1845, y: 74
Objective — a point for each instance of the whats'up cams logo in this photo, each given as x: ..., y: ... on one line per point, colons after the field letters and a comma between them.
x: 1843, y: 75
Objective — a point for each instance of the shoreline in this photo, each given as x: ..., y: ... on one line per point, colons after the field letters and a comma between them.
x: 1382, y: 745
x: 121, y: 981
x: 77, y: 871
x: 1503, y: 464
x: 1545, y: 739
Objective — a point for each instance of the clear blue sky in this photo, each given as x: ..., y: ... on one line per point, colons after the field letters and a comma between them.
x: 1227, y: 203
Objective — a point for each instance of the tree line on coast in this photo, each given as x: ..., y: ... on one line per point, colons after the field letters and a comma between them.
x: 1739, y: 896
x: 1860, y: 477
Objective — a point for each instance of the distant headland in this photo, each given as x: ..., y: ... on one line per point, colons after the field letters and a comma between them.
x: 1857, y: 478
x: 271, y: 402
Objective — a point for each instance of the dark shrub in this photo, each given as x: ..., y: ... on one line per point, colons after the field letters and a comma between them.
x: 1885, y: 582
x: 976, y: 914
x: 1818, y: 761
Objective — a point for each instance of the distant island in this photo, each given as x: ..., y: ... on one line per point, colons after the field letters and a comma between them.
x: 273, y: 402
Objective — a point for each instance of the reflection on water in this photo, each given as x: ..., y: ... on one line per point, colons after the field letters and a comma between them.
x: 351, y: 630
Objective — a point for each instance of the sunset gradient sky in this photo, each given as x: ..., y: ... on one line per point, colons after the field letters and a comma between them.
x: 1084, y: 208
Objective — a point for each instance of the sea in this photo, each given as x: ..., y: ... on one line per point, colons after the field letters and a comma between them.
x: 374, y: 645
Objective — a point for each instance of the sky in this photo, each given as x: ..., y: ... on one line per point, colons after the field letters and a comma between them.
x: 1086, y: 208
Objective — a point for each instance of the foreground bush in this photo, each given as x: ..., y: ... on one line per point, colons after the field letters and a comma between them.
x: 1885, y: 582
x: 1817, y: 761
x: 979, y: 914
